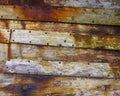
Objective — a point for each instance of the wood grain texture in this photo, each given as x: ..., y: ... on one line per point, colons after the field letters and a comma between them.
x: 60, y: 27
x: 62, y: 14
x: 71, y: 3
x: 33, y: 85
x: 62, y: 68
x: 34, y: 52
x: 78, y: 40
x: 3, y: 53
x: 4, y: 35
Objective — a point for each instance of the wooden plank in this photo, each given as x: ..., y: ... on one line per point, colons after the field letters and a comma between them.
x: 4, y: 35
x: 62, y: 68
x: 73, y: 3
x: 65, y: 39
x: 33, y: 52
x: 31, y: 85
x: 3, y: 53
x: 62, y: 14
x: 85, y: 3
x: 60, y: 27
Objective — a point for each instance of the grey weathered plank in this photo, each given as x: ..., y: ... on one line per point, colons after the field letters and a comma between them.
x: 62, y: 14
x: 33, y: 85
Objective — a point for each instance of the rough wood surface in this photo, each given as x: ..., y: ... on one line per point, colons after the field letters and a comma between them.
x: 73, y: 3
x: 62, y: 68
x: 34, y: 52
x: 3, y: 53
x: 55, y: 38
x: 33, y: 85
x: 62, y: 14
x: 61, y: 27
x: 4, y: 35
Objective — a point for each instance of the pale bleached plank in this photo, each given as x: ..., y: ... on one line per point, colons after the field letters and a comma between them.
x: 33, y: 85
x: 79, y: 40
x: 62, y: 68
x: 61, y: 14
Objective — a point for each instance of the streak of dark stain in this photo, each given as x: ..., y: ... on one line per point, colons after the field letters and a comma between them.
x: 105, y: 30
x: 23, y: 24
x: 39, y: 78
x: 9, y: 46
x: 86, y: 39
x: 115, y: 67
x: 23, y: 2
x: 9, y: 51
x: 24, y: 90
x: 26, y: 87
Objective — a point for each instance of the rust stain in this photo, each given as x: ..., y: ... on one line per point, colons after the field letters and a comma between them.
x: 115, y: 67
x: 86, y: 39
x: 30, y: 85
x: 9, y: 51
x: 2, y: 37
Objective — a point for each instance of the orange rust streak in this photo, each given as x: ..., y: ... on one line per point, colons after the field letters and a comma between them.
x: 2, y: 37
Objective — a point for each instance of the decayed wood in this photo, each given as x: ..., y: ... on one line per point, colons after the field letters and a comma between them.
x: 34, y: 52
x: 62, y: 14
x: 62, y: 68
x: 65, y: 39
x: 60, y: 27
x: 32, y: 85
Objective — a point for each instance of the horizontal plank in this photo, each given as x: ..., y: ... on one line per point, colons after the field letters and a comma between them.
x: 4, y: 35
x: 62, y: 14
x: 56, y: 38
x: 31, y: 85
x: 73, y: 3
x: 34, y: 52
x: 3, y: 52
x: 62, y: 68
x: 60, y: 27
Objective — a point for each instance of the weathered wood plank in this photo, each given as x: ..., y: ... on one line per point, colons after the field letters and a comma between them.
x: 60, y: 27
x: 85, y: 3
x: 32, y: 85
x: 62, y: 14
x: 62, y: 68
x: 73, y: 3
x: 65, y: 39
x: 3, y: 52
x: 4, y: 35
x: 33, y: 52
